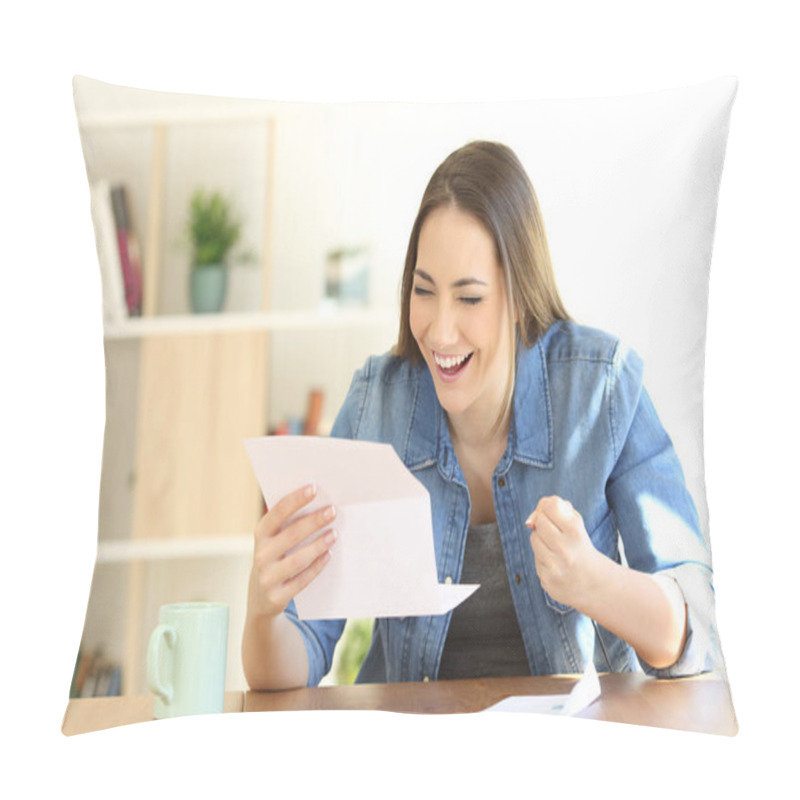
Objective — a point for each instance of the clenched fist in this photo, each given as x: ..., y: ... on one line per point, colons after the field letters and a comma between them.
x: 566, y: 560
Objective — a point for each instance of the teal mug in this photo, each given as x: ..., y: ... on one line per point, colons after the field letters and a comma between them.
x: 186, y: 659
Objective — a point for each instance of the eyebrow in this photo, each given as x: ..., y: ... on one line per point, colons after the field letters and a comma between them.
x: 455, y: 285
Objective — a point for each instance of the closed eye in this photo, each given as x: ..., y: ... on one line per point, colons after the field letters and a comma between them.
x: 420, y: 292
x: 471, y: 301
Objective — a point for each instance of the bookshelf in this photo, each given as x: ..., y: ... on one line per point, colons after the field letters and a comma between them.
x: 323, y: 320
x: 178, y: 500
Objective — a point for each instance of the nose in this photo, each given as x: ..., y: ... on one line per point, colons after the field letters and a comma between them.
x: 444, y: 326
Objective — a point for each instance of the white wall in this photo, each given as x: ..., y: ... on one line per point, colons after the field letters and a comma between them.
x: 628, y: 222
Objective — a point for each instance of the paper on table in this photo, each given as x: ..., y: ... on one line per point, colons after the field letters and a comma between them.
x: 583, y: 694
x: 383, y: 563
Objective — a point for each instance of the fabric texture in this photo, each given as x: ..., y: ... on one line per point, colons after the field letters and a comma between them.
x: 483, y: 637
x: 584, y: 428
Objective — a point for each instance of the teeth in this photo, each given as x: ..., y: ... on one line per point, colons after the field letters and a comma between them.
x: 448, y: 362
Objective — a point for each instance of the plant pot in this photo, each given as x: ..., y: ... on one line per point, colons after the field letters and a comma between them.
x: 207, y: 287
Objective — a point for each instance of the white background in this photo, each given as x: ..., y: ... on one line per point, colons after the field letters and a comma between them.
x: 53, y: 383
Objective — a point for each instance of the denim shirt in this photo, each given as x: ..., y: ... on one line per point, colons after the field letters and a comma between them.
x: 583, y: 428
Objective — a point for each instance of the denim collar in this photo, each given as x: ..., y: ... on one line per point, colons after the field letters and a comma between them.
x: 530, y: 437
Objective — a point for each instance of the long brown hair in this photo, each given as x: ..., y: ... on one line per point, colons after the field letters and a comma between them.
x: 487, y: 180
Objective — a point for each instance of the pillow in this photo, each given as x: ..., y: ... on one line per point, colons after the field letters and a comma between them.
x: 323, y: 196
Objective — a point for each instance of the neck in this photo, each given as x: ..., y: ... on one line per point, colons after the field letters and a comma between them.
x: 473, y: 433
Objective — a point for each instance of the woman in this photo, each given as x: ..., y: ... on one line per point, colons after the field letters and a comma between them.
x: 541, y: 451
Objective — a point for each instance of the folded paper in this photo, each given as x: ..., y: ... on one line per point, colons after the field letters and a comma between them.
x: 383, y: 563
x: 583, y: 694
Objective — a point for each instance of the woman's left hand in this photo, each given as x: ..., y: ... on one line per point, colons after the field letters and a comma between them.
x: 566, y: 560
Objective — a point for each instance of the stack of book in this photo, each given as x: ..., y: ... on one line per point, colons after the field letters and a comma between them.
x: 117, y: 250
x: 310, y: 425
x: 95, y: 676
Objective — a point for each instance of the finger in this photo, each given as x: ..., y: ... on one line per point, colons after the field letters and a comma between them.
x: 275, y: 575
x: 545, y: 507
x: 278, y: 589
x: 544, y: 534
x: 272, y: 522
x: 290, y: 588
x: 559, y: 511
x: 301, y: 559
x: 276, y: 547
x: 304, y: 526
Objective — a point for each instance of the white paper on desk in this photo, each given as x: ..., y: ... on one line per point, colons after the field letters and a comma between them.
x: 583, y: 694
x: 383, y: 563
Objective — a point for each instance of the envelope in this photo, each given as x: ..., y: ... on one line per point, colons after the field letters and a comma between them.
x: 383, y: 563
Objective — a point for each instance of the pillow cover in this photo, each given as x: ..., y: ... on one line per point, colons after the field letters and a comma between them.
x: 322, y: 197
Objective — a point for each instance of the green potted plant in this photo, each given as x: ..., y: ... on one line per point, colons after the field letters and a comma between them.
x: 213, y: 231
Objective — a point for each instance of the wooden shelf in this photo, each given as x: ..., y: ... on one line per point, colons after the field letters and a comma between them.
x: 180, y: 397
x: 128, y: 550
x: 338, y: 319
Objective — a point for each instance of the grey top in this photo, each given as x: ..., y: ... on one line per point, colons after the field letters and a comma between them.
x: 484, y: 638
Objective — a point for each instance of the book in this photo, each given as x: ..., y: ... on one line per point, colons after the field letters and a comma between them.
x: 115, y: 682
x: 105, y: 234
x: 313, y: 413
x: 129, y: 252
x: 83, y: 668
x: 95, y: 675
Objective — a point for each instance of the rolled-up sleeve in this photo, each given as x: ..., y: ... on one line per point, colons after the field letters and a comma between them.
x: 656, y: 516
x: 320, y: 638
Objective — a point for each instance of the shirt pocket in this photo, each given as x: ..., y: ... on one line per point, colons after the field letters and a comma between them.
x: 604, y: 539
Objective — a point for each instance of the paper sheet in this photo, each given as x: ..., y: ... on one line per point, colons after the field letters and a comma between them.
x: 583, y: 694
x: 383, y: 563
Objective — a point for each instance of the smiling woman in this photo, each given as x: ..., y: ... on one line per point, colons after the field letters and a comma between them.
x: 458, y: 315
x: 460, y: 319
x: 538, y: 445
x: 499, y: 225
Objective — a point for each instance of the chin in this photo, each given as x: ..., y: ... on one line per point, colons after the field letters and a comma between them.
x: 452, y: 402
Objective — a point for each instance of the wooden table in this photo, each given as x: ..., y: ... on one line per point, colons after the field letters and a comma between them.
x: 88, y: 714
x: 702, y: 703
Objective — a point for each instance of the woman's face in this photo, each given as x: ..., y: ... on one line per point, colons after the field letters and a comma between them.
x: 459, y: 315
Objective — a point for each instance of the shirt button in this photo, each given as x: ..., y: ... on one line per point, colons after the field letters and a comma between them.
x: 518, y: 578
x: 501, y: 482
x: 448, y: 579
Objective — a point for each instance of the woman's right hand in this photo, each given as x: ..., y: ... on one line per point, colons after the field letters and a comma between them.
x: 279, y: 575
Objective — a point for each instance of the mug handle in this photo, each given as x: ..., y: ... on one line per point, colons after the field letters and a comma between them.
x: 153, y: 656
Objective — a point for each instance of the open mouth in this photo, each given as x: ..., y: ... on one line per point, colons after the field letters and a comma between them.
x: 451, y: 366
